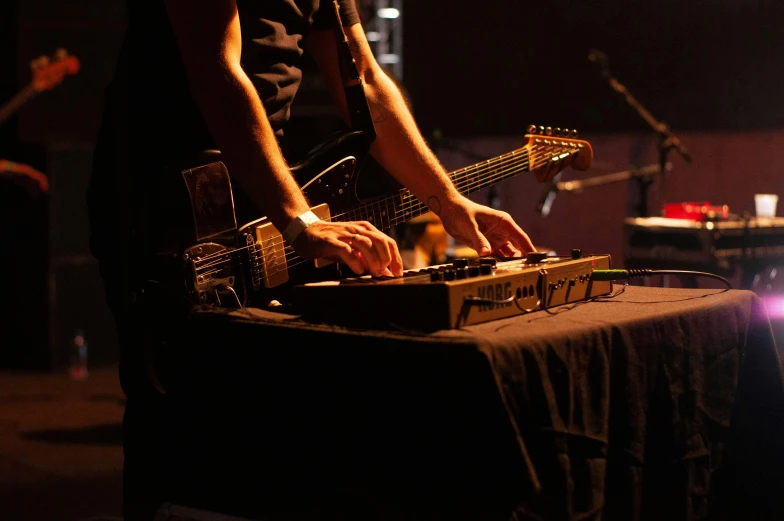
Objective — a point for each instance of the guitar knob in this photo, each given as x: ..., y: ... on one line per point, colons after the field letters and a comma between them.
x: 532, y: 129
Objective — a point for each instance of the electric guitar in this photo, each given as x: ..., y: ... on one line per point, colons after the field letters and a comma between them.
x: 231, y: 265
x: 47, y: 74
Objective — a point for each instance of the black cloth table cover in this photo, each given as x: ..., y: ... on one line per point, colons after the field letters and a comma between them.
x: 657, y: 403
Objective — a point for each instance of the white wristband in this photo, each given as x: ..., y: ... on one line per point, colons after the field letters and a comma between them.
x: 298, y: 225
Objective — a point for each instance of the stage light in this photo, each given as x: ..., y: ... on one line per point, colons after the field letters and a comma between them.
x: 373, y: 36
x: 775, y: 306
x: 388, y: 12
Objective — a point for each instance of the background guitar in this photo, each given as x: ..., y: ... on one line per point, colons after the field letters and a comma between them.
x: 47, y: 74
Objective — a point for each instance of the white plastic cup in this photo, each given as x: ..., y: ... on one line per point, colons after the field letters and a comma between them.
x: 765, y: 205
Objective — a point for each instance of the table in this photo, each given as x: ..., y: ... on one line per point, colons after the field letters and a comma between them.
x: 658, y: 403
x: 750, y: 245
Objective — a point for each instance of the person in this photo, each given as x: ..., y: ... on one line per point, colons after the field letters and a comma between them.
x: 222, y: 74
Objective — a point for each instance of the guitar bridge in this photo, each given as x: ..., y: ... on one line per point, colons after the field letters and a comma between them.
x: 210, y: 265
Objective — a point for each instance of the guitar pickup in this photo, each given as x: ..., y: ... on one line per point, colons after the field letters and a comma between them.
x: 270, y: 256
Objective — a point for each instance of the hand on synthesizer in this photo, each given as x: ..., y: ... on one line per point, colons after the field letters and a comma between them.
x: 484, y: 229
x: 358, y: 244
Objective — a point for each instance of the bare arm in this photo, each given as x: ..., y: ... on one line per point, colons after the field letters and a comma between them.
x: 404, y: 153
x: 210, y: 41
x: 399, y: 147
x: 208, y: 34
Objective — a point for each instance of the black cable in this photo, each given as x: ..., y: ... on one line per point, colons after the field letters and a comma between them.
x: 612, y: 275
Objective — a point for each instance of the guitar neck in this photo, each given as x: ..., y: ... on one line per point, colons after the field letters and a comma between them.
x: 387, y: 211
x: 15, y: 103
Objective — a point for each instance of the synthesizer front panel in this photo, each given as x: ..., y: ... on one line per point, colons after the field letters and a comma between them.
x: 468, y: 291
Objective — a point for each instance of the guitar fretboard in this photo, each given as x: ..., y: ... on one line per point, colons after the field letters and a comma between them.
x: 19, y: 99
x: 387, y: 211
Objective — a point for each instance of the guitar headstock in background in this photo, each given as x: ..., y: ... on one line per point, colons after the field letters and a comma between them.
x: 50, y: 72
x: 547, y: 144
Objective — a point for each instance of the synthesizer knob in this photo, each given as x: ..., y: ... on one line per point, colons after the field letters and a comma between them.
x: 576, y: 253
x: 485, y: 269
x: 460, y: 263
x: 473, y: 271
x: 535, y: 257
x: 436, y: 276
x: 488, y: 261
x: 461, y: 273
x: 449, y: 274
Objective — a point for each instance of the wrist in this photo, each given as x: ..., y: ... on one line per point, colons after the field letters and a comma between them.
x: 438, y: 202
x: 298, y: 225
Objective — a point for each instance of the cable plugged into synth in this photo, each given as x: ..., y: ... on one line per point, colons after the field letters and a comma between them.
x: 614, y: 275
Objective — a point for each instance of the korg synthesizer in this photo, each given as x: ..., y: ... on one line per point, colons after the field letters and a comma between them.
x: 467, y: 291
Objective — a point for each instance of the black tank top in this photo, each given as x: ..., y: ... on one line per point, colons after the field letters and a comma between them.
x: 150, y: 77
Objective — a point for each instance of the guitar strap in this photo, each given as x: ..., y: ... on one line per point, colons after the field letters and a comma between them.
x: 353, y: 86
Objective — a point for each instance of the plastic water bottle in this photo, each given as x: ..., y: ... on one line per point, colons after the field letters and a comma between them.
x: 78, y: 361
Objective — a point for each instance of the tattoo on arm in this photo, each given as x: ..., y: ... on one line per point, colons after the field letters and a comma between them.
x: 356, y: 46
x: 377, y: 113
x: 434, y: 204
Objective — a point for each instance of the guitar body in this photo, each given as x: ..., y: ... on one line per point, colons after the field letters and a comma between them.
x: 219, y: 251
x: 228, y: 253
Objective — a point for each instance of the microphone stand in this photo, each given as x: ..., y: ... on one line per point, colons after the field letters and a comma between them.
x: 667, y: 140
x: 644, y: 175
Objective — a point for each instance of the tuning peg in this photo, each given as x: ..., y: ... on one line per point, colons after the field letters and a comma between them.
x: 40, y: 62
x: 532, y: 129
x: 560, y: 133
x: 566, y: 132
x: 574, y: 133
x: 541, y: 130
x: 548, y: 131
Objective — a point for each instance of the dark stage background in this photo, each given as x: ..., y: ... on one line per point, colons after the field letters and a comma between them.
x: 476, y: 73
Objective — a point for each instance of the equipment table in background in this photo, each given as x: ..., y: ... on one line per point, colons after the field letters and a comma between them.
x: 714, y: 246
x: 658, y: 403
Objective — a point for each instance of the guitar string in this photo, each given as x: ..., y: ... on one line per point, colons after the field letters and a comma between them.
x: 408, y: 200
x: 405, y: 207
x: 289, y: 256
x: 272, y: 270
x: 261, y: 269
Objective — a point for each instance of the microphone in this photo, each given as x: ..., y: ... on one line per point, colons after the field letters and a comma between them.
x: 548, y: 195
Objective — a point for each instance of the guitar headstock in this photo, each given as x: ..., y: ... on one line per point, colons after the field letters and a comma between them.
x: 555, y: 144
x: 50, y: 72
